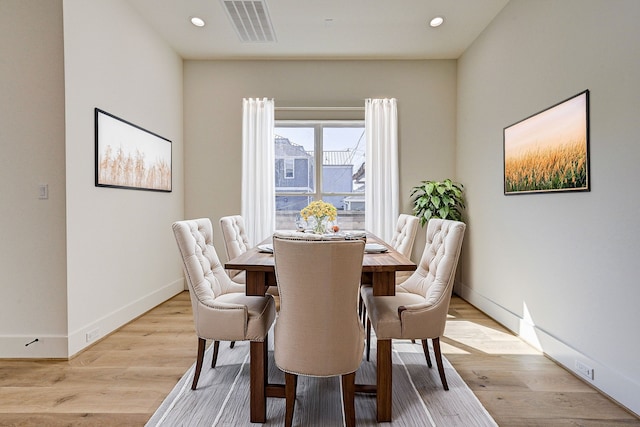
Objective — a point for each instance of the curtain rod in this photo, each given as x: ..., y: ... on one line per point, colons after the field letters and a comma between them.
x: 319, y: 108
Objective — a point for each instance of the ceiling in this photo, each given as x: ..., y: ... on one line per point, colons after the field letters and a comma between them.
x: 325, y: 29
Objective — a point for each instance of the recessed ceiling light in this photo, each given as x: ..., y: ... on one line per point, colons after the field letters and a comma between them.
x: 436, y: 22
x: 198, y: 22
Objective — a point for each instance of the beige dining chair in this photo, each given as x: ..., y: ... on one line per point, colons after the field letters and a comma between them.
x: 221, y: 310
x: 318, y: 332
x: 236, y: 243
x: 419, y: 311
x: 404, y: 236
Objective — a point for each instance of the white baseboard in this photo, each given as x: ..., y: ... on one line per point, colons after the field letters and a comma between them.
x: 112, y: 321
x: 63, y: 347
x: 47, y: 347
x: 606, y: 379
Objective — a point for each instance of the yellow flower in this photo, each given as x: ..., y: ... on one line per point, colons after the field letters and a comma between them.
x: 319, y: 209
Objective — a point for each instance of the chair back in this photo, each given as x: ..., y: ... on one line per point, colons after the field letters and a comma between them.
x: 405, y: 234
x: 318, y: 332
x: 434, y: 277
x: 204, y: 273
x: 235, y: 238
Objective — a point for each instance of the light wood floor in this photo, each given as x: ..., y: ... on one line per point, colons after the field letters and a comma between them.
x: 121, y: 380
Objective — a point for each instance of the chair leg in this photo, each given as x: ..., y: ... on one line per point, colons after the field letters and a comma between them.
x: 290, y: 385
x: 364, y: 315
x: 232, y: 344
x: 348, y: 397
x: 425, y: 347
x: 436, y: 351
x: 368, y: 338
x: 214, y: 359
x: 201, y: 345
x: 360, y: 303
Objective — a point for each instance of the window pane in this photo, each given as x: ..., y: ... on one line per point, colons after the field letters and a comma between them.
x: 343, y: 172
x: 339, y: 166
x: 294, y: 151
x: 287, y: 209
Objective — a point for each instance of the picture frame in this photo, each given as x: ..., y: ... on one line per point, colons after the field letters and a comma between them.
x: 129, y: 156
x: 549, y: 151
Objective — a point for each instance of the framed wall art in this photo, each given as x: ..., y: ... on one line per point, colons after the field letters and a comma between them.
x: 549, y: 151
x: 128, y: 156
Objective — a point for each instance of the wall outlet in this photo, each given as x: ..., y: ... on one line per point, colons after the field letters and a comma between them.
x: 584, y: 370
x: 93, y: 334
x: 43, y: 191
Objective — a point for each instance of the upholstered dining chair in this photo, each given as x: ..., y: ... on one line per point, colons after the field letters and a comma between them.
x: 419, y: 308
x: 404, y: 236
x: 236, y: 243
x: 318, y: 332
x: 221, y: 310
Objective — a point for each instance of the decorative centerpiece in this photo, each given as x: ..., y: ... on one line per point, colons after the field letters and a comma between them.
x: 318, y: 214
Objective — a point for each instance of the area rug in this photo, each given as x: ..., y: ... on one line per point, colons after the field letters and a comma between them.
x: 222, y: 396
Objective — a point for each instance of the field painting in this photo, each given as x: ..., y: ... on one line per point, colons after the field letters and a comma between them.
x: 549, y: 151
x: 128, y: 156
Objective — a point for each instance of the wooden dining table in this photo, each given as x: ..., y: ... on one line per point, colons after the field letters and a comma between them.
x: 378, y: 270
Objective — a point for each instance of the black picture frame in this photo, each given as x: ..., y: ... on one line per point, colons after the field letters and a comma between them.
x: 549, y: 151
x: 129, y: 156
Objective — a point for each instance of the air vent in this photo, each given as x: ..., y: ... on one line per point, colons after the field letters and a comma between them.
x: 250, y: 20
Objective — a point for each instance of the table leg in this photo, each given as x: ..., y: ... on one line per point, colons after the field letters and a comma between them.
x: 256, y: 283
x: 384, y: 381
x: 384, y: 283
x: 258, y: 380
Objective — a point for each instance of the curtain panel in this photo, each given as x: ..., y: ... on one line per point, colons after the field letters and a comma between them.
x: 258, y: 168
x: 382, y: 197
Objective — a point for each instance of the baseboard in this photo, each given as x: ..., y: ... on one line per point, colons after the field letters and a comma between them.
x: 64, y: 347
x: 25, y: 347
x: 607, y: 380
x: 78, y: 339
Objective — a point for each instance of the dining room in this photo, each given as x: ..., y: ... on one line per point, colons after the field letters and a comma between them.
x: 106, y: 256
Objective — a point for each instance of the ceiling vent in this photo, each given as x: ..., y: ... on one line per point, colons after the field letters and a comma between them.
x: 250, y: 20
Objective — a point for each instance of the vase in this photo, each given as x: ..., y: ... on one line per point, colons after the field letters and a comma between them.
x: 319, y: 225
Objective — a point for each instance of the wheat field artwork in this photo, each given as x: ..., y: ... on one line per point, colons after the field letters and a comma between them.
x: 549, y: 151
x: 128, y: 156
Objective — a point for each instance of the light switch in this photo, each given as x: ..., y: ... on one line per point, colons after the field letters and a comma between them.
x: 43, y: 191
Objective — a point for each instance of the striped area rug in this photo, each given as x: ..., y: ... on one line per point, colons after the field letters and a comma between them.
x: 222, y: 397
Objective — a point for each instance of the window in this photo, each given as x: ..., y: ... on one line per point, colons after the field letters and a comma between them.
x: 320, y: 160
x: 289, y: 165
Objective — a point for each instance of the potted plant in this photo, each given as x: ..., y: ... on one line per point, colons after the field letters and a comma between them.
x: 438, y: 199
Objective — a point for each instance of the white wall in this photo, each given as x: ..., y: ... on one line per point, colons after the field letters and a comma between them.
x: 426, y: 93
x: 557, y: 268
x: 121, y: 254
x: 32, y: 248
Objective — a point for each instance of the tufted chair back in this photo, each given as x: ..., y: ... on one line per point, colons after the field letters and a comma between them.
x: 403, y: 239
x: 235, y: 238
x: 405, y: 234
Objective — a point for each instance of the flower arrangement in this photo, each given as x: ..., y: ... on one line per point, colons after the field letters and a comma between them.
x: 321, y: 212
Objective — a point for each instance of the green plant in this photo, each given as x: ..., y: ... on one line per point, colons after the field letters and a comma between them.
x: 438, y: 199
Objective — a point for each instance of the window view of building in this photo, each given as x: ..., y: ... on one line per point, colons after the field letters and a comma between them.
x: 320, y: 161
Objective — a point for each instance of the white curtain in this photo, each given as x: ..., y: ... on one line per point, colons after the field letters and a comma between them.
x: 258, y: 164
x: 382, y: 181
